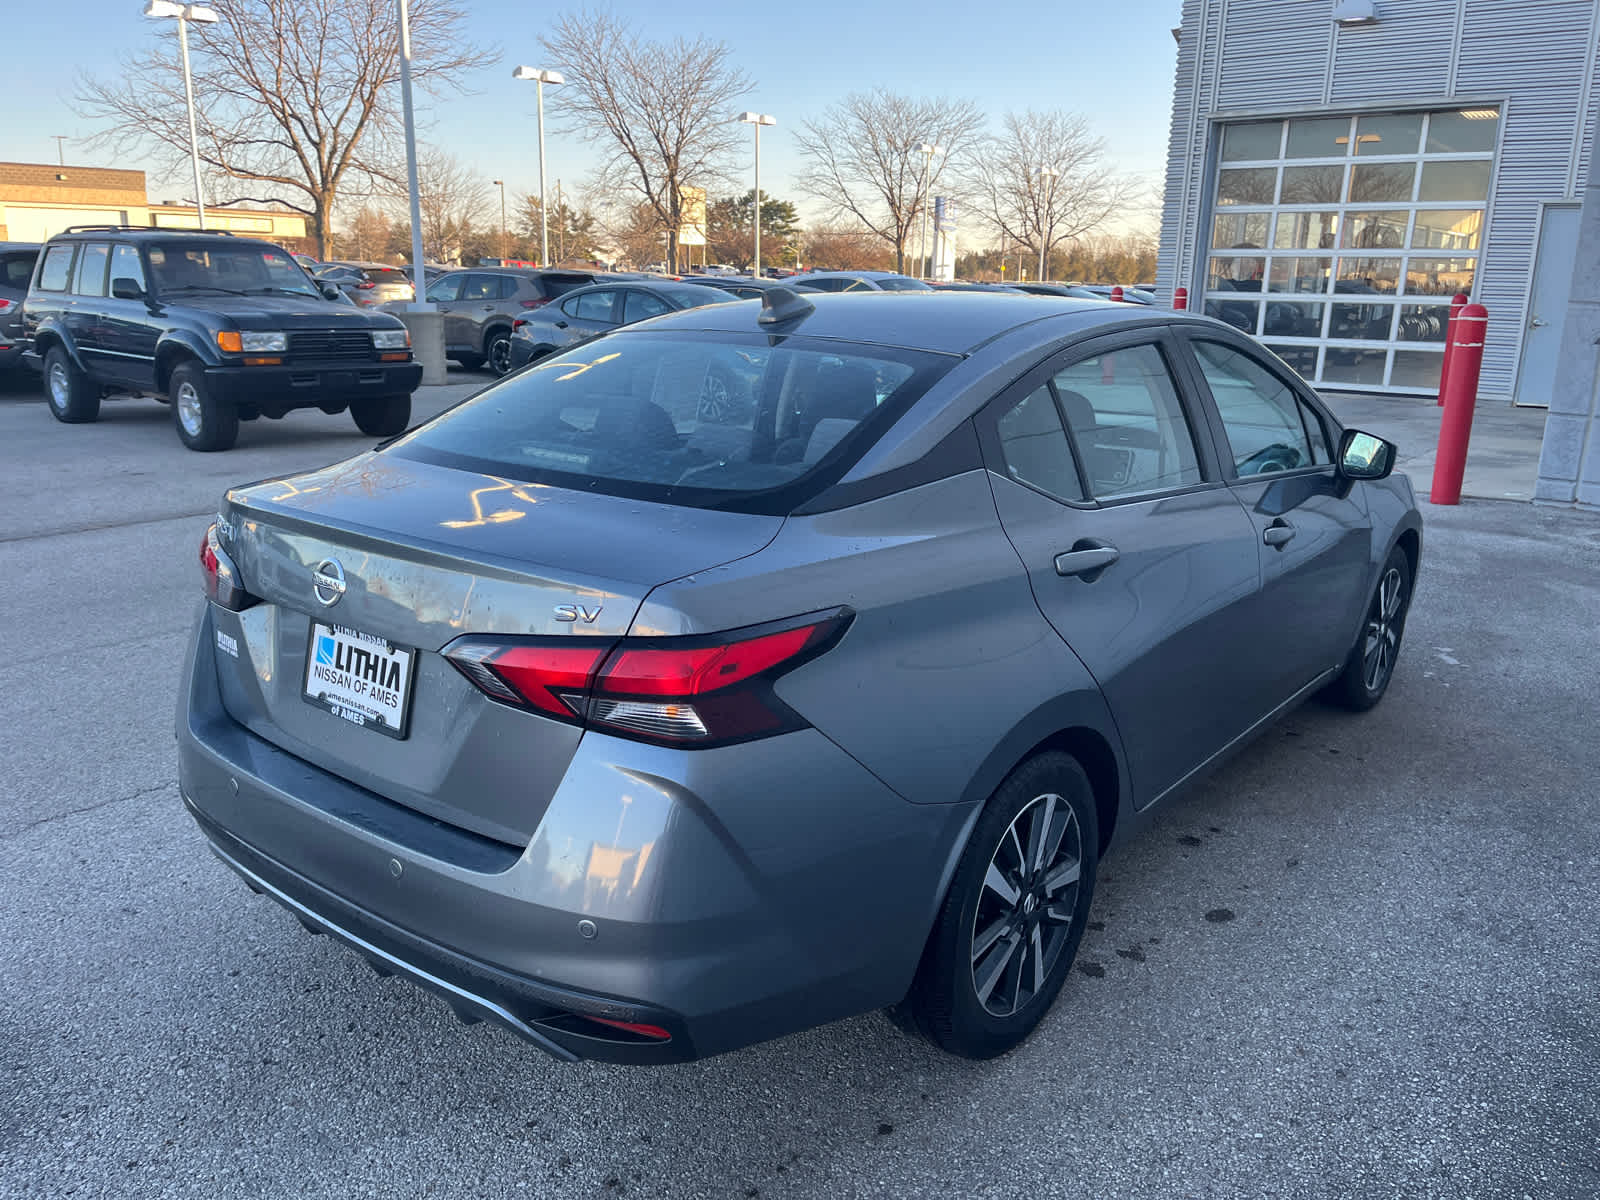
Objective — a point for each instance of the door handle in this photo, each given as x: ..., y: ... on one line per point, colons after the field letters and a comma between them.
x: 561, y: 324
x: 488, y: 308
x: 1278, y: 534
x: 1085, y: 560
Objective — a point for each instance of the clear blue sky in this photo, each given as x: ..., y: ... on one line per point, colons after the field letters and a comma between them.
x: 1113, y: 62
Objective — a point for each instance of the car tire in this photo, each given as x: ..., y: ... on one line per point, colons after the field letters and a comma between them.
x: 1370, y: 664
x: 382, y: 416
x: 71, y: 394
x: 497, y: 351
x: 1011, y: 922
x: 204, y: 421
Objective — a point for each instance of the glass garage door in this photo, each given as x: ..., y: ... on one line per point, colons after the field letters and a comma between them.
x: 1340, y: 240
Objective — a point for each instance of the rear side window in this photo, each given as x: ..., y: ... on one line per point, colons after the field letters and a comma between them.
x: 1035, y: 446
x: 17, y: 269
x: 591, y: 306
x: 712, y: 420
x: 57, y: 267
x: 1128, y: 423
x: 91, y: 276
x: 481, y: 287
x: 637, y: 306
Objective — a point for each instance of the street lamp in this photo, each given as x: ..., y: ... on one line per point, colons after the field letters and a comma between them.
x: 1049, y: 175
x: 184, y: 13
x: 501, y: 184
x: 541, y: 77
x: 929, y: 150
x: 758, y: 120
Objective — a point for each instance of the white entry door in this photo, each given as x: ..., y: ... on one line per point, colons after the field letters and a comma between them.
x: 1547, y: 307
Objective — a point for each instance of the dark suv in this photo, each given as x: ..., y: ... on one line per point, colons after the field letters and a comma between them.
x: 481, y: 303
x: 16, y: 268
x: 225, y: 329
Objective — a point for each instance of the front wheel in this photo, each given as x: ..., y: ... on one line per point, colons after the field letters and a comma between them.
x: 1370, y: 663
x: 382, y: 416
x: 204, y: 421
x: 1015, y: 913
x: 71, y: 393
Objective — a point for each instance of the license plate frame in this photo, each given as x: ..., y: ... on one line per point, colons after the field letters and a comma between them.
x: 351, y: 694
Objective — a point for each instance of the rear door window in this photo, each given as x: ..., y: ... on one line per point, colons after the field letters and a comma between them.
x: 57, y: 268
x: 637, y: 306
x: 481, y: 287
x: 591, y: 306
x: 1035, y: 446
x: 90, y: 279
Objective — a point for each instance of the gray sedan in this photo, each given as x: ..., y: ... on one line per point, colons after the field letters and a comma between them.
x: 649, y: 731
x: 585, y: 312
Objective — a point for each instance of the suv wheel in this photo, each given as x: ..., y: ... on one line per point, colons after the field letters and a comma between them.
x: 497, y: 351
x: 204, y: 422
x: 382, y: 416
x: 70, y: 392
x: 1014, y: 915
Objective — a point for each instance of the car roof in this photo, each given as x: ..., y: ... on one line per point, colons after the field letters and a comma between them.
x: 7, y: 246
x: 952, y: 323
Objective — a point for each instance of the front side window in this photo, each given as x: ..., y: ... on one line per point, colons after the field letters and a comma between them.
x: 125, y: 264
x: 1261, y: 414
x: 445, y: 289
x: 1128, y: 423
x: 91, y: 276
x: 57, y: 268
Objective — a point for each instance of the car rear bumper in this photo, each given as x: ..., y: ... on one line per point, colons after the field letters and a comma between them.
x: 705, y: 893
x: 313, y: 384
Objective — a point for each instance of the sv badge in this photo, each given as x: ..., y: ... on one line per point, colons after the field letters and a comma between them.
x: 577, y: 612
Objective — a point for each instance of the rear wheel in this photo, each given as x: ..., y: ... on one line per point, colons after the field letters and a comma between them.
x: 1014, y: 915
x: 72, y: 395
x: 382, y: 416
x: 204, y: 421
x: 1370, y: 664
x: 497, y: 351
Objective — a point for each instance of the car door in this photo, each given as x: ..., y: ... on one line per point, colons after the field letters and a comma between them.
x: 479, y: 300
x: 1313, y: 530
x: 88, y: 310
x: 1138, y: 553
x: 584, y: 314
x: 128, y: 332
x: 445, y: 293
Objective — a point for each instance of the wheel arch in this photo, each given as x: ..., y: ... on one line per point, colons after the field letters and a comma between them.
x: 494, y: 327
x: 169, y: 353
x: 48, y: 337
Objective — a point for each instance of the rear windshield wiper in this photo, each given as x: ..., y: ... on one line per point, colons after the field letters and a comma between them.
x: 209, y: 287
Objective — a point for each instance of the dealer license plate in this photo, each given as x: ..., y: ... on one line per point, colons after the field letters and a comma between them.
x: 362, y: 678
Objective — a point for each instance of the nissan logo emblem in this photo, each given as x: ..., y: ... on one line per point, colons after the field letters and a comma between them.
x: 327, y: 581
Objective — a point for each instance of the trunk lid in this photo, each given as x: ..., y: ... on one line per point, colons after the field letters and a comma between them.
x: 429, y: 553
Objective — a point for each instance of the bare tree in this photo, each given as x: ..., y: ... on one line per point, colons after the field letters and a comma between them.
x: 845, y: 248
x: 367, y: 234
x: 634, y: 235
x: 1003, y: 178
x: 296, y: 98
x: 453, y: 199
x: 867, y: 161
x: 663, y: 111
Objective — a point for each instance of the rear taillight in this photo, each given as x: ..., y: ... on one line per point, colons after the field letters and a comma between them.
x: 364, y: 285
x: 218, y: 575
x: 689, y: 691
x: 517, y: 324
x: 5, y: 304
x: 539, y: 303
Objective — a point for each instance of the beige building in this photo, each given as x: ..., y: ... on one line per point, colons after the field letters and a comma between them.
x: 38, y: 200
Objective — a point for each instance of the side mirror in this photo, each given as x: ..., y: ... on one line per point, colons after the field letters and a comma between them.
x: 124, y: 288
x: 1365, y: 455
x: 330, y: 292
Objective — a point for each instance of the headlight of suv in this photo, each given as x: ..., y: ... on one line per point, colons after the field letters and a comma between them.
x: 264, y: 343
x: 391, y: 339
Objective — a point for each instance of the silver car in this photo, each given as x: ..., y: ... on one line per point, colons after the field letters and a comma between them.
x: 648, y: 732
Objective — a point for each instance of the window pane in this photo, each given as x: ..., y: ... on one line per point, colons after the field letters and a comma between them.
x: 1439, y: 276
x: 1353, y: 366
x: 1130, y: 429
x: 1312, y: 185
x: 1249, y: 185
x: 1381, y: 183
x: 1361, y: 322
x: 1253, y: 142
x: 1464, y: 132
x: 1455, y: 181
x: 1241, y: 314
x: 1306, y: 231
x: 1035, y: 446
x: 125, y: 264
x: 637, y: 306
x: 1322, y: 137
x: 1229, y: 273
x: 480, y: 287
x: 1453, y: 229
x: 1423, y: 322
x: 1259, y: 412
x: 1374, y: 276
x: 1301, y: 359
x: 445, y: 289
x: 1417, y: 369
x: 1375, y: 230
x: 1240, y: 231
x: 1388, y: 133
x: 91, y: 278
x: 57, y: 260
x: 594, y: 306
x: 1321, y: 450
x: 1293, y: 319
x: 1299, y: 274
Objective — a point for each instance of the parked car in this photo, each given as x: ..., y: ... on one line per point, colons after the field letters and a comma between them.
x: 224, y: 329
x: 968, y: 286
x: 481, y: 304
x: 1072, y: 290
x: 368, y: 284
x: 16, y: 268
x: 746, y: 287
x: 649, y: 735
x: 862, y: 281
x: 585, y: 312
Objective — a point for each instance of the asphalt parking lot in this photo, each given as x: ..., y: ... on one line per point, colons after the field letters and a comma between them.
x: 1361, y: 960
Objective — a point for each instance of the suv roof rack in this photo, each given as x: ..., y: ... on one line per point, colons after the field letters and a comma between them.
x: 144, y: 229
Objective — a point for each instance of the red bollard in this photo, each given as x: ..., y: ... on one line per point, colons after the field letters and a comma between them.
x: 1180, y: 299
x: 1457, y: 303
x: 1455, y: 426
x: 1116, y: 293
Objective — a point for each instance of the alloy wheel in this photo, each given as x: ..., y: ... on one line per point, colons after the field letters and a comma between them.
x: 1026, y: 906
x: 715, y: 404
x: 500, y: 355
x: 1383, y: 631
x: 189, y: 414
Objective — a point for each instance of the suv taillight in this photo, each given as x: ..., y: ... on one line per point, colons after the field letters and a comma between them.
x: 365, y: 285
x: 675, y: 691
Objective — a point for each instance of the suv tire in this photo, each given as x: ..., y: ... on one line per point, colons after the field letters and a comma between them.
x: 1015, y: 913
x: 382, y: 416
x: 204, y: 422
x: 71, y: 394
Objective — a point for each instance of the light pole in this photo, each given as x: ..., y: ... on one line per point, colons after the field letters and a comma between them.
x: 501, y: 184
x: 1049, y: 175
x: 758, y: 120
x: 61, y: 146
x: 201, y: 16
x: 541, y: 77
x: 929, y: 150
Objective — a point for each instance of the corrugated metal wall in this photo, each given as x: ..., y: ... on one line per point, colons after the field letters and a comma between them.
x: 1280, y: 57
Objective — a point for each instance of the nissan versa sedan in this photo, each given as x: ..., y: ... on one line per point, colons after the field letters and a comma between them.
x: 648, y: 732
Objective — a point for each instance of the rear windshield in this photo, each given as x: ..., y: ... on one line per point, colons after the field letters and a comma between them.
x: 711, y: 420
x: 560, y: 285
x: 902, y: 283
